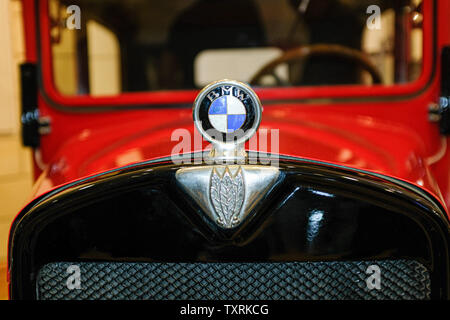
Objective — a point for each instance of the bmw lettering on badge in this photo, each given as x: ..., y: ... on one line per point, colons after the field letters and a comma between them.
x: 227, y: 111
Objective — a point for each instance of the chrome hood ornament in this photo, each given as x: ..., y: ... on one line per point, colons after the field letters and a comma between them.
x: 227, y: 195
x: 227, y: 113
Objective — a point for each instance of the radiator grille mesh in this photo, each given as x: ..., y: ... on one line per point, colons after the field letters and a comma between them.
x: 401, y: 279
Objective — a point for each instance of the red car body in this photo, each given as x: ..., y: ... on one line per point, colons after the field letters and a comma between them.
x: 381, y: 129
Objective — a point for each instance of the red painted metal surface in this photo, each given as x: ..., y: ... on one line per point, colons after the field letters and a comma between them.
x: 391, y: 136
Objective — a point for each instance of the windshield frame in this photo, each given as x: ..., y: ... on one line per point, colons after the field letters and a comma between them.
x: 268, y: 95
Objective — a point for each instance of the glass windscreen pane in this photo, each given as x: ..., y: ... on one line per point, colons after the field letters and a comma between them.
x: 106, y: 47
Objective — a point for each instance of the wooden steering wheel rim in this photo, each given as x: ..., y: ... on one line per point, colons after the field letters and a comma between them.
x: 321, y: 50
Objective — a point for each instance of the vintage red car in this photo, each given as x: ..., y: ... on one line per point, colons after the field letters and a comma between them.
x: 342, y: 193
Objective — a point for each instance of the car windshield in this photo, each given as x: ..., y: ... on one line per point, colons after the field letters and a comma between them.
x: 106, y: 47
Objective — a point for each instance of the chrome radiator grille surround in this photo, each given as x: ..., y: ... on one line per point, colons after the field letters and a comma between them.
x: 400, y: 279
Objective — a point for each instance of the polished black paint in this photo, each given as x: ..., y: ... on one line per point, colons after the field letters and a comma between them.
x: 314, y: 212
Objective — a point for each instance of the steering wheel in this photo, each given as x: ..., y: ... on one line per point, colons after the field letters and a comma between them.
x: 304, y: 52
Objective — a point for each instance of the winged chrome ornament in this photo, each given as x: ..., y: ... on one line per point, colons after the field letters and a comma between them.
x: 227, y: 113
x: 227, y: 196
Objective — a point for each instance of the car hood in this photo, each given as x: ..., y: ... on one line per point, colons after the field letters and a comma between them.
x: 361, y: 142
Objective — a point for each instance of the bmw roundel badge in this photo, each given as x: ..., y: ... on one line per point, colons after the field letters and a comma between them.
x: 227, y: 112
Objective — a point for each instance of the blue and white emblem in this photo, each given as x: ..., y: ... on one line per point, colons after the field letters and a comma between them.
x: 227, y: 114
x: 227, y: 189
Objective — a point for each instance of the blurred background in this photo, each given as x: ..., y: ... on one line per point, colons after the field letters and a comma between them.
x: 15, y: 160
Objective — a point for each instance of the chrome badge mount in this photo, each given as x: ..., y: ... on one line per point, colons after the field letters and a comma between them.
x: 227, y: 113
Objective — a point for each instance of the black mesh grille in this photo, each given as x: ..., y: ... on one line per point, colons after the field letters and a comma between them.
x: 400, y: 279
